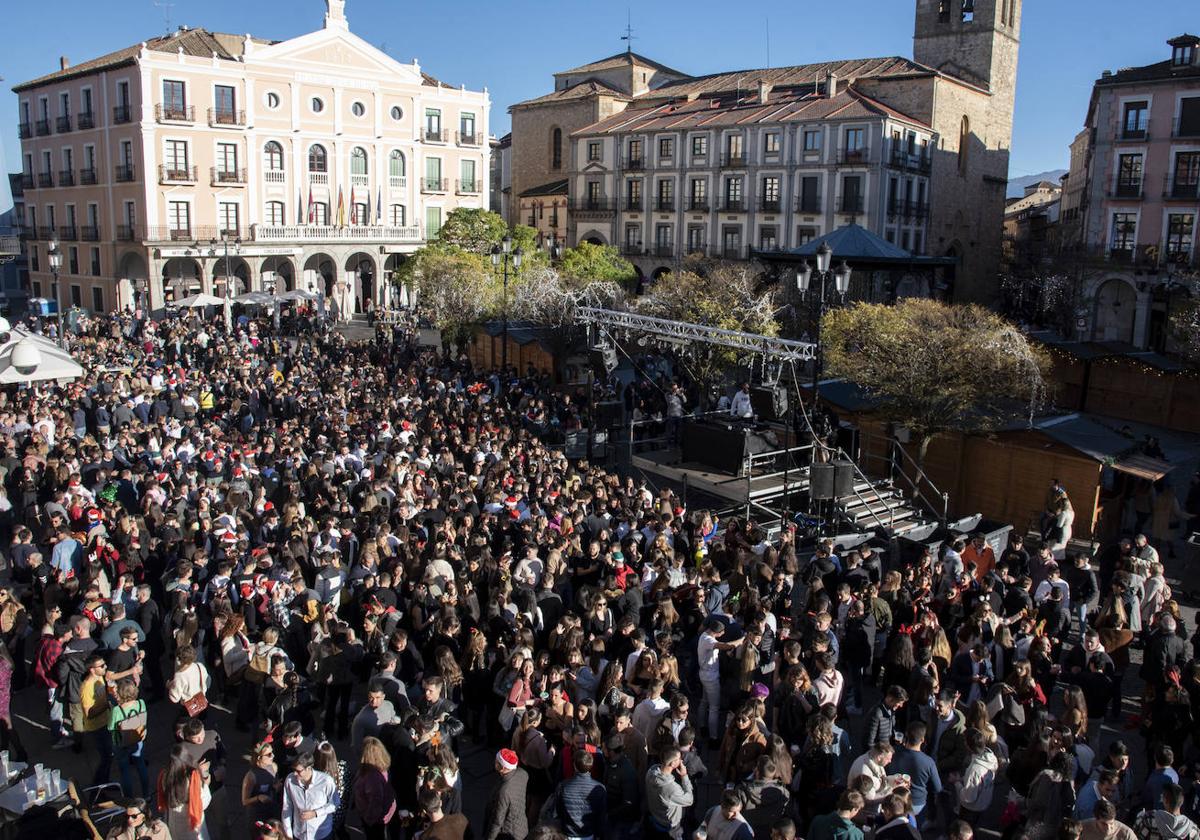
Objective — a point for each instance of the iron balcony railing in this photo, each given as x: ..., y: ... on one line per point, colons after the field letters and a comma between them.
x: 87, y: 176
x: 853, y: 156
x: 808, y: 204
x: 27, y: 180
x: 126, y: 233
x: 469, y: 139
x: 66, y: 177
x: 434, y: 185
x: 1180, y: 189
x: 633, y: 203
x: 699, y: 204
x: 635, y: 163
x: 175, y: 113
x: 62, y: 125
x: 630, y: 249
x: 123, y: 172
x: 731, y: 160
x: 732, y: 205
x: 593, y: 205
x: 1185, y: 128
x: 42, y: 127
x: 434, y: 135
x: 226, y: 117
x: 851, y: 204
x: 769, y: 205
x: 468, y: 187
x: 47, y: 232
x: 1126, y: 189
x: 177, y: 174
x: 68, y: 232
x: 733, y: 252
x: 86, y: 120
x: 45, y: 179
x: 121, y: 114
x: 89, y: 233
x: 225, y: 177
x: 1126, y: 133
x: 25, y: 130
x: 664, y: 205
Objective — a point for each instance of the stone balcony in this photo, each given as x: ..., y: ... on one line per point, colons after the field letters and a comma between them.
x: 329, y: 233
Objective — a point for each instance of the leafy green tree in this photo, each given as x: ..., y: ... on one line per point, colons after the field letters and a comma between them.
x: 472, y: 229
x: 596, y: 262
x: 456, y: 289
x: 1185, y: 322
x: 936, y: 367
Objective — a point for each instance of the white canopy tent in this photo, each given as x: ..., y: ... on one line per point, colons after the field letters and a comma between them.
x: 28, y: 357
x: 298, y: 295
x: 196, y: 301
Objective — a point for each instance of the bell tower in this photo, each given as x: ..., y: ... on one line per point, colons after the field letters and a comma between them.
x: 973, y: 40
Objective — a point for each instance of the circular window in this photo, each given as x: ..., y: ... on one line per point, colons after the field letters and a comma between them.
x: 397, y: 112
x: 272, y: 100
x: 317, y: 105
x: 358, y: 109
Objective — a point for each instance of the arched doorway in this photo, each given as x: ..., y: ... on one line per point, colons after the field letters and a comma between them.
x: 235, y: 268
x: 320, y: 273
x: 133, y: 278
x: 361, y: 267
x: 1116, y: 302
x: 280, y: 271
x: 180, y: 278
x: 594, y: 239
x: 660, y: 272
x: 400, y: 295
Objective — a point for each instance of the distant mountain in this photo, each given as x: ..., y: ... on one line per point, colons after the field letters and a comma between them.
x: 1016, y: 186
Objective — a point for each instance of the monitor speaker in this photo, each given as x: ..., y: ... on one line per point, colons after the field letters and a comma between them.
x: 770, y: 403
x: 843, y: 479
x: 820, y: 487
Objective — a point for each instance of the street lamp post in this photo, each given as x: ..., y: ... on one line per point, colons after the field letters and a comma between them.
x: 815, y: 296
x: 226, y: 240
x: 54, y: 254
x: 501, y: 255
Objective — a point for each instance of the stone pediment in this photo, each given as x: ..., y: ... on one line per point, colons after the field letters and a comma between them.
x: 332, y: 48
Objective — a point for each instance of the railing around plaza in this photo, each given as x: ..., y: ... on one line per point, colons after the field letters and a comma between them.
x: 328, y: 233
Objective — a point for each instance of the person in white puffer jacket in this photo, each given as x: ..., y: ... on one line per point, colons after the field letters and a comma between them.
x: 978, y: 779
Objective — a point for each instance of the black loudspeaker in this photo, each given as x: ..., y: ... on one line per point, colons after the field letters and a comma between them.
x: 820, y: 485
x: 603, y: 359
x: 843, y: 479
x: 609, y: 413
x: 770, y: 403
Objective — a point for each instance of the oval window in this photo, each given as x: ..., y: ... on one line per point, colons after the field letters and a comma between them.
x: 358, y: 109
x: 397, y: 112
x: 317, y: 105
x: 272, y: 100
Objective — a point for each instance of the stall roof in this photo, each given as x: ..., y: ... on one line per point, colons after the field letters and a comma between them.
x: 859, y: 247
x: 1143, y: 466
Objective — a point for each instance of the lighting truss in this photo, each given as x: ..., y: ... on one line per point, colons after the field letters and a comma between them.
x: 683, y: 333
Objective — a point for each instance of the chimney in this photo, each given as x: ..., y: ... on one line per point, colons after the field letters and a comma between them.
x: 831, y: 85
x: 764, y: 91
x: 63, y: 62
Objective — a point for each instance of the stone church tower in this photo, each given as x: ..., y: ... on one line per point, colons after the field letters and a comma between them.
x: 977, y: 42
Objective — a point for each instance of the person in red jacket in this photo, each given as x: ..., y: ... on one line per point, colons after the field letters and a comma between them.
x: 49, y: 648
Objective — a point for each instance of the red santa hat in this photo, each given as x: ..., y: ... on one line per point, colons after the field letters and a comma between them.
x: 507, y: 759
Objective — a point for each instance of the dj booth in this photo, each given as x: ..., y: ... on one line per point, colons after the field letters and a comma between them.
x: 723, y: 444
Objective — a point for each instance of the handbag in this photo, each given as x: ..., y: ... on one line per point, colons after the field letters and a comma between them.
x: 132, y: 729
x: 256, y: 671
x: 508, y: 716
x: 198, y: 702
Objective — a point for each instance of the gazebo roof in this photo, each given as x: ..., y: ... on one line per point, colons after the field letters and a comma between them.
x: 859, y: 247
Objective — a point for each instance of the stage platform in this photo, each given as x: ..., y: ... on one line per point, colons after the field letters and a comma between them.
x: 766, y: 484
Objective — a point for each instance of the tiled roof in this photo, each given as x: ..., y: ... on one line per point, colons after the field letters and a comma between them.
x: 788, y: 106
x: 795, y: 76
x: 623, y: 59
x: 553, y: 188
x: 196, y: 42
x: 1162, y: 71
x: 590, y: 87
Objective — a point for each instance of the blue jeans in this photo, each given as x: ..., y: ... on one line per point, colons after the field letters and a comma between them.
x: 102, y: 739
x: 129, y: 759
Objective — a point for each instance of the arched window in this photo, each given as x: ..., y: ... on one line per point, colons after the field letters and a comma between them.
x: 556, y: 149
x: 317, y: 160
x: 273, y: 156
x: 358, y: 161
x: 274, y: 213
x: 396, y: 215
x: 396, y: 164
x: 964, y: 144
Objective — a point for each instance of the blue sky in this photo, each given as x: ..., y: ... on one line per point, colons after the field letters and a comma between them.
x: 513, y: 47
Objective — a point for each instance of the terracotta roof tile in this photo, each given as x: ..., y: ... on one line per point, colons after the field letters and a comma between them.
x: 589, y: 87
x: 622, y: 59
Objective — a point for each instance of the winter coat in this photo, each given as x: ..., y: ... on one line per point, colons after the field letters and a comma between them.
x: 977, y: 782
x: 505, y: 817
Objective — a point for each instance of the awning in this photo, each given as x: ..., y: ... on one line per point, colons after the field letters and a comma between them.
x: 1143, y: 466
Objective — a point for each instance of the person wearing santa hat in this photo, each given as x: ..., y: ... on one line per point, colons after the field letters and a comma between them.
x: 505, y: 817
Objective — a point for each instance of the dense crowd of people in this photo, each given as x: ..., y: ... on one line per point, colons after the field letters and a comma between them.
x: 369, y: 558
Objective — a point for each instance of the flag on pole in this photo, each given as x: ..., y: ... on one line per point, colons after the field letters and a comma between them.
x: 353, y: 207
x: 300, y: 205
x: 312, y: 208
x: 378, y: 205
x: 341, y: 209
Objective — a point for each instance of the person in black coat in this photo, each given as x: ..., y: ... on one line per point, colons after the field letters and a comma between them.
x: 1164, y: 650
x: 857, y: 650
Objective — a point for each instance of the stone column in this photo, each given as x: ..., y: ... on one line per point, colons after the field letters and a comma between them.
x: 1141, y: 319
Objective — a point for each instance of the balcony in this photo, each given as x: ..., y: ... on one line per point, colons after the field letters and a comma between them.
x: 850, y: 204
x: 68, y: 233
x: 122, y: 114
x: 321, y: 178
x: 45, y: 179
x: 733, y: 160
x: 177, y: 175
x: 698, y: 204
x: 732, y: 205
x: 633, y: 163
x: 665, y: 205
x: 921, y: 210
x: 1126, y: 189
x: 89, y: 233
x: 123, y: 172
x: 664, y: 249
x: 28, y: 234
x: 597, y: 204
x: 435, y: 185
x: 901, y: 158
x: 397, y: 182
x: 226, y: 118
x: 25, y: 130
x: 66, y: 177
x: 26, y: 180
x: 313, y: 233
x: 769, y: 205
x: 852, y: 157
x: 42, y: 128
x: 126, y: 233
x: 1188, y: 128
x: 434, y: 135
x: 471, y: 139
x: 631, y: 249
x: 1120, y: 255
x: 1177, y: 190
x: 274, y: 176
x: 697, y: 248
x: 86, y: 120
x: 175, y: 113
x: 633, y: 204
x: 227, y: 177
x: 808, y: 204
x: 733, y: 252
x: 1126, y: 133
x: 468, y: 187
x: 62, y: 125
x: 47, y: 232
x: 87, y: 177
